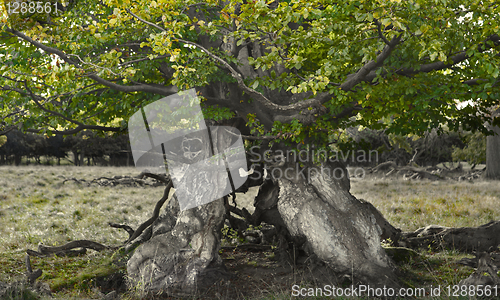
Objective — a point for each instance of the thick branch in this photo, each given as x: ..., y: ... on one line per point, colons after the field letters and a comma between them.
x: 439, y: 65
x: 78, y: 129
x: 362, y: 74
x: 268, y: 104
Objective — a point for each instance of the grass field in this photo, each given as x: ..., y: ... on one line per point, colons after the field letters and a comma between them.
x: 36, y: 207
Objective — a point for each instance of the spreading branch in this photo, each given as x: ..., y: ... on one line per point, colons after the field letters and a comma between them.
x: 37, y: 98
x: 362, y: 74
x: 439, y: 65
x: 160, y: 90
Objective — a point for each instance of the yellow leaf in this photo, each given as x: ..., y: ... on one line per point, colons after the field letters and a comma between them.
x: 386, y: 22
x: 112, y: 21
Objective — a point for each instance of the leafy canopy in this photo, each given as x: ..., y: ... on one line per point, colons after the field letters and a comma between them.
x: 294, y: 70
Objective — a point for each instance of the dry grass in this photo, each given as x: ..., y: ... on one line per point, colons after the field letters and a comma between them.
x: 35, y: 207
x: 413, y: 204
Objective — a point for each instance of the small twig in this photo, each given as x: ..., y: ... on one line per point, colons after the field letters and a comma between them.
x: 127, y: 228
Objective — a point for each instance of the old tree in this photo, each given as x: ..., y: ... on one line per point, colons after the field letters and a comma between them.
x: 286, y: 73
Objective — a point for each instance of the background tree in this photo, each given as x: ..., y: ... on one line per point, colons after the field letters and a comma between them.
x: 289, y: 72
x: 475, y: 150
x: 493, y: 151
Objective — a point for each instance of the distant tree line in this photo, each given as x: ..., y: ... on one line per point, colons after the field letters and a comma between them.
x: 85, y: 148
x: 428, y: 149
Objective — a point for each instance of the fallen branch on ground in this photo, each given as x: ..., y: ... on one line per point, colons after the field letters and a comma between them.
x: 465, y: 239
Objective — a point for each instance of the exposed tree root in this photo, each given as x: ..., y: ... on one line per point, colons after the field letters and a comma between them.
x: 473, y: 262
x: 156, y: 213
x: 31, y: 276
x: 160, y: 177
x: 127, y: 228
x: 486, y: 272
x: 68, y: 248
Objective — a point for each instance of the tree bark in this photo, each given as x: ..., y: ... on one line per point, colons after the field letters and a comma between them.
x: 17, y: 159
x: 339, y: 230
x: 181, y: 258
x: 493, y: 155
x: 75, y: 157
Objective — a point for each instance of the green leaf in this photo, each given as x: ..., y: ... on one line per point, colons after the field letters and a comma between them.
x: 255, y: 84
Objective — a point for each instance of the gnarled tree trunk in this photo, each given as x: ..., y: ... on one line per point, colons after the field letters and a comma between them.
x: 182, y: 257
x: 338, y: 229
x: 311, y: 203
x: 493, y: 155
